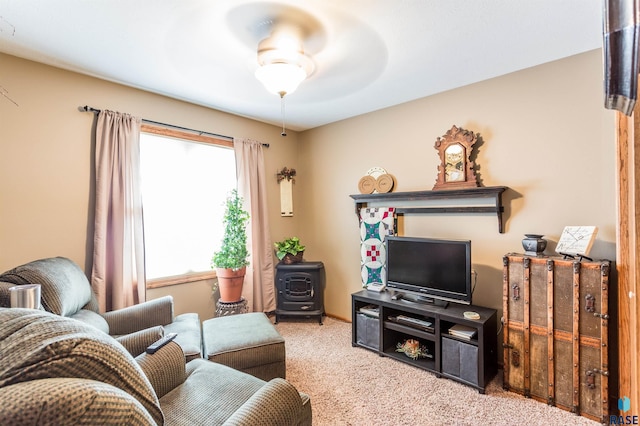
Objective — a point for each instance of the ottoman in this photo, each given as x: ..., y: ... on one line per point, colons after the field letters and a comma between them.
x: 247, y: 342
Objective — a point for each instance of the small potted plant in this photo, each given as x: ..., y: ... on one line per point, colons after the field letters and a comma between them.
x: 289, y: 251
x: 231, y: 261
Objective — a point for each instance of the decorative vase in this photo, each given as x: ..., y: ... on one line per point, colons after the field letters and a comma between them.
x: 230, y: 284
x: 534, y: 244
x: 290, y: 259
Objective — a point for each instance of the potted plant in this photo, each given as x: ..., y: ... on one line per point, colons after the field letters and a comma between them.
x: 289, y: 251
x: 231, y: 261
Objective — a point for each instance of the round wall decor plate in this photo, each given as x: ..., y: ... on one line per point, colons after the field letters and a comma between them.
x: 384, y: 183
x: 376, y: 172
x: 367, y: 184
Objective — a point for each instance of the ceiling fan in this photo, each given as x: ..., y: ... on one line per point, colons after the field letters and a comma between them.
x: 224, y: 37
x: 253, y: 23
x: 286, y: 37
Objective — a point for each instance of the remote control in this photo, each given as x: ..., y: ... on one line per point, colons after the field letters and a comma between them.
x: 379, y: 287
x: 161, y: 342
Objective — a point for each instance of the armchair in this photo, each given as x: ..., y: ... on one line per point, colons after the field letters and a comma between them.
x: 66, y: 291
x: 55, y: 370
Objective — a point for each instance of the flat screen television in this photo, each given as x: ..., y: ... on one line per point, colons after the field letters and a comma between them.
x: 429, y: 270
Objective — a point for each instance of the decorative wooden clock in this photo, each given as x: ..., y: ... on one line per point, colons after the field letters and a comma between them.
x: 456, y: 170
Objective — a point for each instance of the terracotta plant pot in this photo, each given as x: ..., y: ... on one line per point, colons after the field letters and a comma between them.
x: 230, y: 284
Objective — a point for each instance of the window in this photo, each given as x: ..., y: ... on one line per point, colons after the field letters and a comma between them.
x: 185, y: 181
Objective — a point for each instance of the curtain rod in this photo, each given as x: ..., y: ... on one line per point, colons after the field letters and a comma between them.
x: 87, y: 108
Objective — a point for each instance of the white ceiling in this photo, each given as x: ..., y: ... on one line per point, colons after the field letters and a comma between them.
x: 369, y: 54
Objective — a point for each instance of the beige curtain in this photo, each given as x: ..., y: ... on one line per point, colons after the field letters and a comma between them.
x: 118, y: 253
x: 258, y: 285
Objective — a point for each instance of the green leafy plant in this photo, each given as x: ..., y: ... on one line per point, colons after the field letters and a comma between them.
x: 233, y: 253
x: 291, y: 246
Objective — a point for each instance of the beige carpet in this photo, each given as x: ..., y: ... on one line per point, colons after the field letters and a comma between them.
x: 354, y: 386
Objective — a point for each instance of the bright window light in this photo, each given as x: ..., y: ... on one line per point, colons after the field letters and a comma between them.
x: 184, y: 186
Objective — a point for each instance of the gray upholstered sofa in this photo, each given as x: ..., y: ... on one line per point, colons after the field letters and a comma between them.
x: 66, y: 291
x: 57, y: 370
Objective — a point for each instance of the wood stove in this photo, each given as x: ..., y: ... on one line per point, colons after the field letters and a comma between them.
x: 300, y: 290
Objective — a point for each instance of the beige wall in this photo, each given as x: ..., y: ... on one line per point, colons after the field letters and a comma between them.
x: 546, y: 136
x: 46, y: 198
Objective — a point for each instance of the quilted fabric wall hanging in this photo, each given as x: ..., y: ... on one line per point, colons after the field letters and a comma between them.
x: 375, y: 224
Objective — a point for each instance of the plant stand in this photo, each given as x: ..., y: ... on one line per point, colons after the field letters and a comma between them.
x: 224, y: 309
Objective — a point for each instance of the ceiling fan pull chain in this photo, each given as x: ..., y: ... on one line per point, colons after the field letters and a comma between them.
x: 284, y: 133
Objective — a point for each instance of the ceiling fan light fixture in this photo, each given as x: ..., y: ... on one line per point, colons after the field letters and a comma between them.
x: 281, y: 78
x: 282, y: 65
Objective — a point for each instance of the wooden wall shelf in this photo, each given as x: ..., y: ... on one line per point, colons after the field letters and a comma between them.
x: 394, y: 198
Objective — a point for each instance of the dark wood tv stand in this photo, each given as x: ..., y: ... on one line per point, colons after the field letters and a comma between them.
x: 469, y: 361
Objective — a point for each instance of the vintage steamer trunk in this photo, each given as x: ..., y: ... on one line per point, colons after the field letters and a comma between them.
x: 555, y: 335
